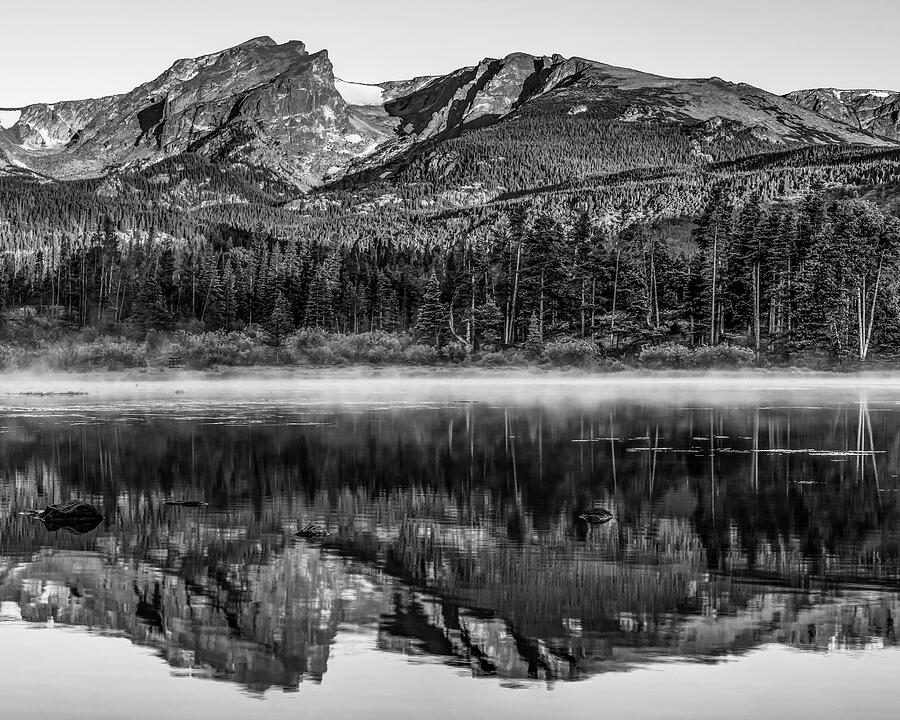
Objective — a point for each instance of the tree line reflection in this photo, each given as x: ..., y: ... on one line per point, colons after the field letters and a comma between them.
x: 454, y: 534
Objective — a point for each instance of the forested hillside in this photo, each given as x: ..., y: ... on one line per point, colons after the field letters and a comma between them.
x: 794, y: 254
x: 524, y: 206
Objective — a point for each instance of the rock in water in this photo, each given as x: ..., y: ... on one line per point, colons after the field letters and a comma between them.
x: 600, y: 516
x: 186, y: 503
x: 312, y: 533
x: 73, y: 516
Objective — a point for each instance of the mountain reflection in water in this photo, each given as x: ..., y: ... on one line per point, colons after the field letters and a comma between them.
x: 454, y: 533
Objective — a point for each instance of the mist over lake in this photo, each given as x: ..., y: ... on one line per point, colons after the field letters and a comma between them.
x: 753, y: 533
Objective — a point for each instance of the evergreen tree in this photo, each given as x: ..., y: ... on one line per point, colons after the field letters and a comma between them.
x: 534, y: 342
x: 280, y: 323
x: 4, y: 291
x: 215, y: 312
x: 149, y: 310
x: 542, y: 273
x: 488, y: 322
x: 384, y: 305
x: 712, y: 236
x: 431, y: 320
x: 320, y: 306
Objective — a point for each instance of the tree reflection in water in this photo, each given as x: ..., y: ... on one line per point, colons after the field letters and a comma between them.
x: 454, y: 533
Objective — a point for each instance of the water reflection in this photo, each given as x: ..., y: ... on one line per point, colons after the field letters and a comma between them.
x: 454, y: 533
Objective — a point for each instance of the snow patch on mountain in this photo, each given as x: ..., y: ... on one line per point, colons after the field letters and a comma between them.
x: 8, y: 118
x: 359, y: 93
x: 842, y: 94
x: 18, y: 163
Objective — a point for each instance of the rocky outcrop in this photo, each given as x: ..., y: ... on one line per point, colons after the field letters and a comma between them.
x: 877, y: 111
x: 258, y: 103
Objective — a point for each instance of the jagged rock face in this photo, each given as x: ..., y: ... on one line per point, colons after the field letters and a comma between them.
x: 877, y: 111
x: 52, y: 127
x: 259, y: 103
x: 468, y: 97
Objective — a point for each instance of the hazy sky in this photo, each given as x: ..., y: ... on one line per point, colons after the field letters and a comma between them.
x: 60, y: 49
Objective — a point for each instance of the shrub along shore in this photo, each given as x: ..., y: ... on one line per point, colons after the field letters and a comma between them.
x: 37, y: 346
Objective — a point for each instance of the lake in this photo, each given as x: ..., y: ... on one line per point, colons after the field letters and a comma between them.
x: 752, y: 565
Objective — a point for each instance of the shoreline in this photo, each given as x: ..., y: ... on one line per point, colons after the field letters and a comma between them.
x: 287, y: 384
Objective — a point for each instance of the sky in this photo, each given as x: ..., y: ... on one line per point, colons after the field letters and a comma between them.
x: 60, y: 49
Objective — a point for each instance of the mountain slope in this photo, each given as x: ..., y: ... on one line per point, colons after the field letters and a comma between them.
x: 877, y: 111
x: 476, y: 96
x: 523, y: 120
x: 279, y: 109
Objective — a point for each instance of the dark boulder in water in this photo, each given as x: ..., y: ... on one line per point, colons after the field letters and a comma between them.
x: 599, y: 516
x: 313, y: 533
x: 73, y: 516
x: 186, y: 503
x: 149, y: 611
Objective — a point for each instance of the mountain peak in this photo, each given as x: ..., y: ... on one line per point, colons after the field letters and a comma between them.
x: 262, y: 45
x: 261, y: 41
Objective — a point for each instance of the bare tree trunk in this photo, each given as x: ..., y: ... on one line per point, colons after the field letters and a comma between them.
x: 867, y: 333
x: 712, y: 311
x: 582, y: 308
x: 756, y: 309
x: 470, y: 330
x: 118, y: 301
x: 541, y: 307
x: 860, y: 318
x: 512, y: 310
x: 653, y: 285
x: 790, y: 297
x: 612, y: 315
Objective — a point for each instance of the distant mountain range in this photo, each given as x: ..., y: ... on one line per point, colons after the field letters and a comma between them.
x: 280, y: 109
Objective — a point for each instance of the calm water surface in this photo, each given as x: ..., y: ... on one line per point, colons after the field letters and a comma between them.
x: 753, y: 566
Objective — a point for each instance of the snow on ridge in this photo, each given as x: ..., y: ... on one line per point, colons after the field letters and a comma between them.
x: 8, y: 118
x: 839, y: 94
x: 359, y: 93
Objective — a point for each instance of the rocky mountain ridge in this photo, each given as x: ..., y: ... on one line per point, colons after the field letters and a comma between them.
x: 280, y: 108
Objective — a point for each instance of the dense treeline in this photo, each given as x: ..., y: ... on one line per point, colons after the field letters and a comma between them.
x: 189, y: 197
x: 540, y: 150
x: 816, y: 276
x: 617, y: 243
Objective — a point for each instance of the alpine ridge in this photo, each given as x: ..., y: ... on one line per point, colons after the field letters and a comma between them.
x: 278, y: 108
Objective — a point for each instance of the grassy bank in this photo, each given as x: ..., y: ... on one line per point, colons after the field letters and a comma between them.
x: 250, y: 348
x: 48, y: 347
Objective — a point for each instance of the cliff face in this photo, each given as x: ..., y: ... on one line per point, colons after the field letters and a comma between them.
x: 877, y: 111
